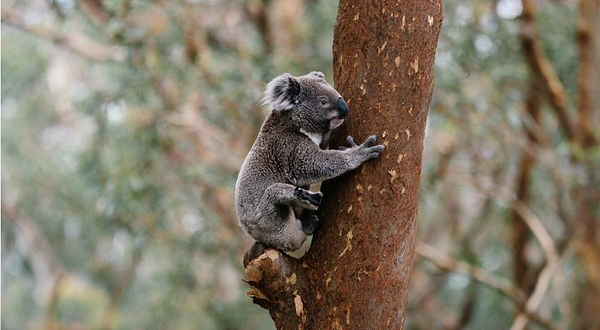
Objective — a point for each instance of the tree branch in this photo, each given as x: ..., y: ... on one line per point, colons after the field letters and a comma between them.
x: 258, y: 13
x: 527, y: 309
x: 534, y: 301
x: 542, y: 67
x: 446, y: 262
x: 78, y: 43
x: 94, y: 9
x: 543, y: 280
x: 46, y: 267
x: 274, y: 279
x: 116, y: 296
x: 502, y: 285
x: 537, y: 227
x: 48, y: 272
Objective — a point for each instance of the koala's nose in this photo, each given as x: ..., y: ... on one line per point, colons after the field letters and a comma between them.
x: 342, y: 107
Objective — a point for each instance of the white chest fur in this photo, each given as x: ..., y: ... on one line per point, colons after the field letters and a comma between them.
x: 315, y: 137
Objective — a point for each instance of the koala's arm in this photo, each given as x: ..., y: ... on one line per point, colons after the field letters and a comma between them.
x: 313, y: 164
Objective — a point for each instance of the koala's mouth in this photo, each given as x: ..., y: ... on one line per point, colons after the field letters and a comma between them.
x: 335, y: 122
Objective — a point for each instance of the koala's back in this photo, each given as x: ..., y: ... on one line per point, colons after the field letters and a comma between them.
x: 268, y: 162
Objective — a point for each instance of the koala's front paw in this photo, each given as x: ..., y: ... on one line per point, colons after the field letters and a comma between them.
x: 361, y: 153
x: 314, y: 199
x: 367, y: 148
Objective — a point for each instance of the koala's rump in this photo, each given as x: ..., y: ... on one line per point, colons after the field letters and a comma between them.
x: 259, y: 171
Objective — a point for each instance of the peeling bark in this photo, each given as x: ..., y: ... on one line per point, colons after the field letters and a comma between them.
x: 357, y: 273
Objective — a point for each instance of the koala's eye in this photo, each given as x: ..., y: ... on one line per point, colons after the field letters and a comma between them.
x: 324, y: 102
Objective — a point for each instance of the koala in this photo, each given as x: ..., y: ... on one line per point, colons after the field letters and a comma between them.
x: 272, y: 199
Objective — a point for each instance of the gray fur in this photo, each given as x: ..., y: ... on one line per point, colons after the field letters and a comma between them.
x: 270, y: 197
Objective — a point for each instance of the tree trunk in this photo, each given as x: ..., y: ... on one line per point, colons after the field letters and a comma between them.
x: 357, y: 272
x: 588, y: 209
x: 524, y: 276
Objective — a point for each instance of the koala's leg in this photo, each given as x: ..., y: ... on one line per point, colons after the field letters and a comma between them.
x: 278, y: 225
x: 283, y: 194
x: 309, y: 220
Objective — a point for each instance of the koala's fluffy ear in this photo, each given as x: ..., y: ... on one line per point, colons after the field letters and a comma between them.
x: 281, y: 92
x: 318, y: 74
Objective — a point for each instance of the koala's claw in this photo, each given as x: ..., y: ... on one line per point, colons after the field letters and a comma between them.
x: 374, y: 151
x: 306, y: 195
x: 350, y: 141
x: 256, y: 250
x: 378, y: 148
x: 370, y: 140
x: 373, y: 155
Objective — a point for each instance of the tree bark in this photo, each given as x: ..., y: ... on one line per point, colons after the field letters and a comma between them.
x: 357, y: 272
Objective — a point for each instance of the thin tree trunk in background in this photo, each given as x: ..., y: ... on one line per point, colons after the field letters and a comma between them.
x: 541, y: 65
x: 357, y: 273
x: 580, y: 131
x: 524, y: 278
x: 587, y: 82
x: 588, y: 205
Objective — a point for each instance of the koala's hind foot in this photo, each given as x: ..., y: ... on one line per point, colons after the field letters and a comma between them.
x: 310, y: 222
x: 311, y: 197
x: 256, y: 250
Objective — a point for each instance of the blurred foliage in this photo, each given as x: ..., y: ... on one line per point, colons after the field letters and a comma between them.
x: 124, y: 124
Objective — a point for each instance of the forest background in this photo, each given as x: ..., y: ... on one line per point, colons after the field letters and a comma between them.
x: 124, y: 124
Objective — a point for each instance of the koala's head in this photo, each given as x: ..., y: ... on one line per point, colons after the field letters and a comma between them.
x: 314, y: 104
